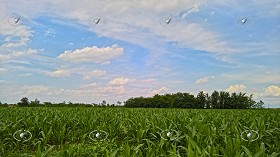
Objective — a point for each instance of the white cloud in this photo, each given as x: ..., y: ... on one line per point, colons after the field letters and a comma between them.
x: 91, y: 85
x: 93, y: 74
x: 11, y: 56
x: 59, y: 73
x: 162, y: 90
x: 149, y: 80
x: 204, y: 79
x: 272, y: 90
x: 121, y: 81
x: 93, y: 54
x: 236, y: 88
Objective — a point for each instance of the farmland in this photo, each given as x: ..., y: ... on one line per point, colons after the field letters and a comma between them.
x: 64, y: 131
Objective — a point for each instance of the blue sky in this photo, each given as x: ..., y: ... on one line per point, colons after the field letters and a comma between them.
x: 56, y: 53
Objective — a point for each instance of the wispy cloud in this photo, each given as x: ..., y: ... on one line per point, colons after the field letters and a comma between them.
x: 59, y: 73
x: 121, y: 81
x: 204, y: 79
x: 93, y: 74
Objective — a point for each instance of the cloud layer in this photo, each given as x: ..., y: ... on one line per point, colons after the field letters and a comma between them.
x: 132, y: 53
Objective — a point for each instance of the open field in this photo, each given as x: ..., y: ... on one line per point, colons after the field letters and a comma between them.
x: 139, y: 132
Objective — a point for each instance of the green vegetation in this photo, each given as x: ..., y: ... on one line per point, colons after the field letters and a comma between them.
x: 136, y: 132
x: 216, y: 100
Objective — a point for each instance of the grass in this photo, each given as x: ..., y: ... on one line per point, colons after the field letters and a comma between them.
x: 137, y: 132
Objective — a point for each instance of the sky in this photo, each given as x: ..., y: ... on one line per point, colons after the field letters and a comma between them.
x: 56, y: 52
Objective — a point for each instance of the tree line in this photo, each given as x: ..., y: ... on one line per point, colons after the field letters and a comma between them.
x: 216, y: 100
x: 24, y: 102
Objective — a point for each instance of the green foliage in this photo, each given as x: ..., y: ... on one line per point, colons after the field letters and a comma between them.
x: 217, y: 100
x: 63, y: 131
x: 34, y: 103
x: 259, y: 104
x: 24, y: 102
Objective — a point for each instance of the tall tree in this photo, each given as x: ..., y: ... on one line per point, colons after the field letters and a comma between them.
x: 215, y: 99
x: 201, y: 100
x: 224, y: 100
x: 259, y: 104
x: 36, y: 102
x: 24, y: 102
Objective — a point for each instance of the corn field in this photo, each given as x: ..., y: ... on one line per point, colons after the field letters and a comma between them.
x: 84, y: 132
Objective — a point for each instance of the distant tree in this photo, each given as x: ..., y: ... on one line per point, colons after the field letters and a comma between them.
x: 103, y: 103
x: 233, y: 100
x: 47, y: 103
x: 251, y: 102
x: 36, y: 102
x: 215, y: 99
x: 3, y: 105
x: 208, y: 101
x: 259, y: 104
x: 201, y: 100
x: 183, y: 100
x: 24, y: 102
x: 119, y: 103
x: 224, y: 100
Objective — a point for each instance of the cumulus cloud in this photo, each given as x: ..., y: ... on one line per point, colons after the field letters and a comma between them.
x: 162, y: 90
x: 236, y: 88
x: 93, y: 74
x: 204, y: 79
x: 121, y: 81
x: 59, y: 73
x: 93, y: 54
x: 272, y: 90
